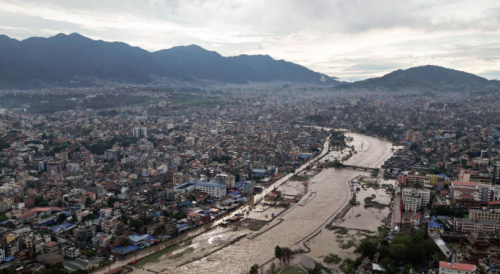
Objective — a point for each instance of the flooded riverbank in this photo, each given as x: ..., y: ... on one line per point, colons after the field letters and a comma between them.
x: 299, y: 222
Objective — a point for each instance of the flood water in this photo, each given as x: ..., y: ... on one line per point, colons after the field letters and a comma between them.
x: 331, y: 194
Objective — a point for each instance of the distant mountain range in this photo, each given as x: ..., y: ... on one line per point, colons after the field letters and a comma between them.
x: 69, y: 60
x: 432, y: 78
x: 64, y: 59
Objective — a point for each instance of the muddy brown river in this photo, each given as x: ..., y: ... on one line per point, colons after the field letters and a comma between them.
x: 331, y: 193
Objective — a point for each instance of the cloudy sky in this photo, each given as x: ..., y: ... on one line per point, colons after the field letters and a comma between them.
x: 349, y: 39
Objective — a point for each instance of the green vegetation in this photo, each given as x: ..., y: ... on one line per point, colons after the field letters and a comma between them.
x: 112, y: 200
x: 338, y: 138
x: 89, y: 217
x: 339, y: 229
x: 349, y: 265
x: 101, y: 146
x: 451, y: 211
x: 199, y: 102
x: 221, y: 159
x: 299, y: 178
x: 381, y: 130
x: 156, y: 256
x: 284, y: 254
x: 90, y: 253
x: 180, y: 254
x: 332, y: 259
x: 347, y: 245
x: 291, y: 270
x: 254, y: 269
x: 413, y: 250
x: 57, y: 268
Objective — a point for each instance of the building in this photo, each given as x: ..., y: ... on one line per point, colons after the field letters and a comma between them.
x: 495, y: 180
x: 472, y: 194
x: 456, y: 268
x: 70, y: 251
x: 49, y: 258
x: 51, y: 247
x: 248, y: 187
x: 465, y: 194
x: 414, y: 199
x: 139, y: 132
x: 228, y: 179
x: 112, y: 155
x: 485, y: 214
x: 214, y: 189
x: 170, y: 226
x: 469, y: 226
x: 180, y: 191
x: 434, y: 226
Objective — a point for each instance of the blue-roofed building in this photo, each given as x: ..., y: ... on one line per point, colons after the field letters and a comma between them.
x: 58, y: 229
x: 182, y: 227
x: 184, y: 189
x: 259, y: 173
x: 434, y: 226
x: 304, y: 156
x: 125, y: 250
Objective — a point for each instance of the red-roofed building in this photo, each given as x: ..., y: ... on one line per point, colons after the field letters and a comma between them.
x: 51, y: 247
x: 33, y: 213
x: 456, y: 268
x: 466, y: 194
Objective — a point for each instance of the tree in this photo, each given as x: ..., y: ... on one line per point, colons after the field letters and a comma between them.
x: 272, y: 268
x: 254, y: 269
x: 318, y: 269
x: 125, y: 241
x: 90, y: 253
x: 413, y: 146
x: 367, y: 248
x: 277, y: 252
x: 136, y: 223
x: 286, y: 253
x: 406, y: 269
x: 88, y: 201
x: 61, y: 218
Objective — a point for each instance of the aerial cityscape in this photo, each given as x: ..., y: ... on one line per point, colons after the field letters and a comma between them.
x: 125, y: 153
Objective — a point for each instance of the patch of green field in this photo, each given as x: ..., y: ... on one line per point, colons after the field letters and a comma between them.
x: 145, y: 104
x: 199, y: 102
x: 347, y: 245
x: 180, y: 254
x: 293, y: 270
x: 299, y: 178
x: 156, y: 256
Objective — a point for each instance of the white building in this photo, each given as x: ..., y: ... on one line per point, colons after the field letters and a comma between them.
x: 414, y: 199
x: 214, y: 189
x: 455, y: 268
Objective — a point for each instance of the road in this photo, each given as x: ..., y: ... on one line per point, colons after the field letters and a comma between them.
x: 396, y: 212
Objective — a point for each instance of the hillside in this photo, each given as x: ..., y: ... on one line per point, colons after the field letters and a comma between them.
x: 424, y: 78
x: 63, y: 59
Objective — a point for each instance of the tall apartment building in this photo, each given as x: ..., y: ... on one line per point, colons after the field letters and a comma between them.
x: 139, y: 132
x: 228, y: 179
x: 414, y: 199
x: 495, y: 180
x: 112, y: 155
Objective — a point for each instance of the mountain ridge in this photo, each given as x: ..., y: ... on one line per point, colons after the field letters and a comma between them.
x: 428, y: 77
x: 63, y: 58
